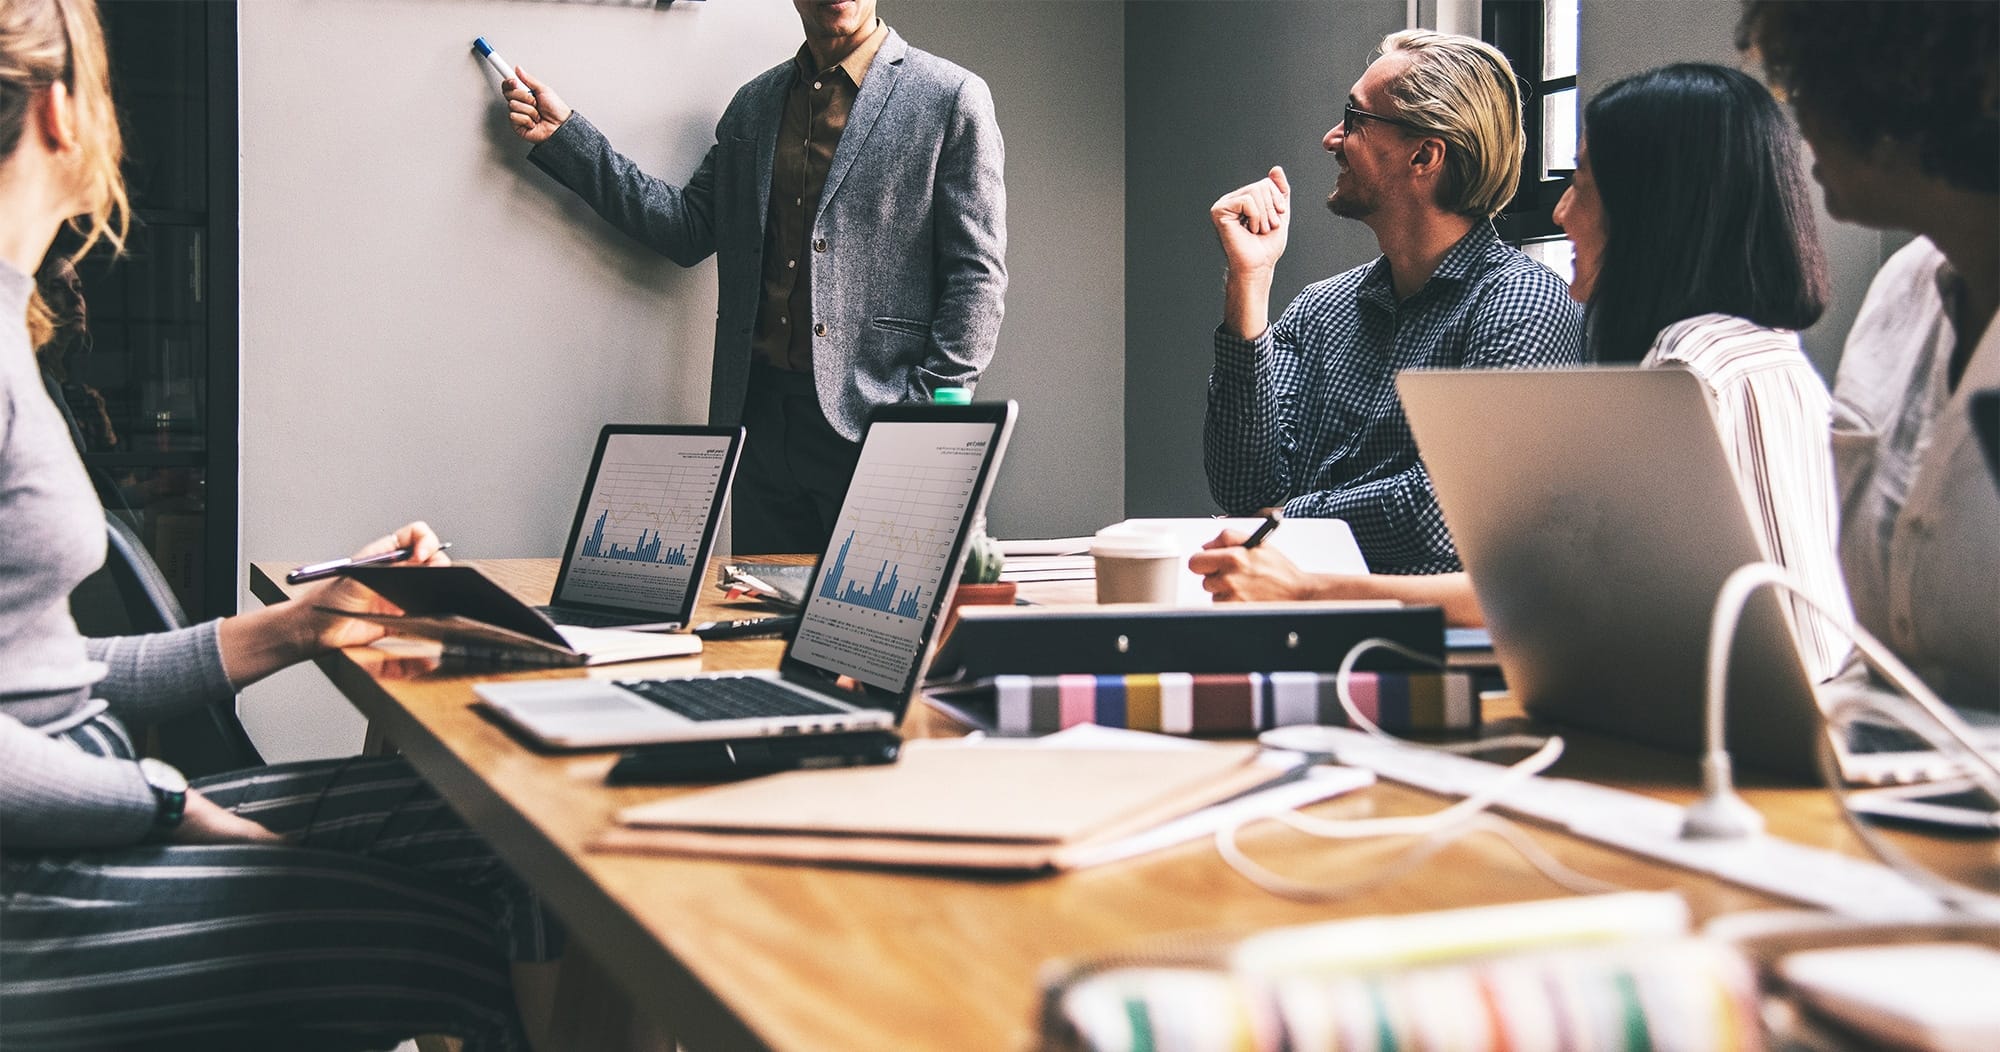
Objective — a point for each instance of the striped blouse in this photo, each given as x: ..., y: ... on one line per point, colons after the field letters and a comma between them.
x: 1774, y: 415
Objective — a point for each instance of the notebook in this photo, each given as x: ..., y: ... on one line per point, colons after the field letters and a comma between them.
x: 645, y: 527
x: 1597, y: 516
x: 937, y: 808
x: 879, y: 592
x: 479, y: 620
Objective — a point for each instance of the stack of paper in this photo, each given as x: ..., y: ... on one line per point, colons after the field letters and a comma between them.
x: 1025, y: 568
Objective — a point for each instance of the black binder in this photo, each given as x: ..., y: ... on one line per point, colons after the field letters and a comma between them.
x: 1225, y: 638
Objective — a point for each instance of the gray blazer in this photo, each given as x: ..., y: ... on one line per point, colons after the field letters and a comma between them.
x: 909, y: 237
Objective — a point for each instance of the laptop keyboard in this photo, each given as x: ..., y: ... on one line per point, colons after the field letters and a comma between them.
x: 728, y: 697
x: 563, y: 615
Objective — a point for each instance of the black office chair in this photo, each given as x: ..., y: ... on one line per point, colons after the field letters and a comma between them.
x: 130, y: 596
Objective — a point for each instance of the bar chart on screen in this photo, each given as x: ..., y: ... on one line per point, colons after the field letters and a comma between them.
x: 648, y: 506
x: 892, y: 546
x: 882, y: 595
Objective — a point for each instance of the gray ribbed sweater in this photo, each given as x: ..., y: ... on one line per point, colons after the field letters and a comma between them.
x: 51, y: 538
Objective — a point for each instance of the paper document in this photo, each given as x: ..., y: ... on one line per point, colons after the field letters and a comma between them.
x: 1318, y: 783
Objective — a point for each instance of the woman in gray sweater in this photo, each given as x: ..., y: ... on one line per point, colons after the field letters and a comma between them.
x: 328, y: 904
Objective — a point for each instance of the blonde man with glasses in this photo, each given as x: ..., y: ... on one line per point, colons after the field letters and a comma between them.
x: 1303, y: 412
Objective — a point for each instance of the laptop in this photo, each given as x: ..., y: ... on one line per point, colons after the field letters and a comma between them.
x: 1598, y: 517
x: 865, y: 634
x: 645, y: 527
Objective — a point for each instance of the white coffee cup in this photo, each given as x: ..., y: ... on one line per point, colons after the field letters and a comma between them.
x: 1137, y: 565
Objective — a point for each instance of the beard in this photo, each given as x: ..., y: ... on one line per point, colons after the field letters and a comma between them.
x: 1352, y: 200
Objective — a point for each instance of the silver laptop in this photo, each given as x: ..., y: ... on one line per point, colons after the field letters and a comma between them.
x: 645, y: 527
x: 865, y: 634
x: 1598, y: 517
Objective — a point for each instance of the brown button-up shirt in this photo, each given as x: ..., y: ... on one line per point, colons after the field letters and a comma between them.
x: 816, y: 111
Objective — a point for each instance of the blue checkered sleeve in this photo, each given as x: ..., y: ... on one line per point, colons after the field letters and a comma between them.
x: 1306, y: 415
x: 1249, y: 445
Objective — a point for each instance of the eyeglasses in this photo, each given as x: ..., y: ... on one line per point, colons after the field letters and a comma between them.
x: 1347, y: 119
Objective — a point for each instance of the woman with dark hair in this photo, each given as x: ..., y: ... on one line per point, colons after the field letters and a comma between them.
x: 1695, y: 249
x: 1900, y: 103
x: 317, y: 905
x: 1690, y: 181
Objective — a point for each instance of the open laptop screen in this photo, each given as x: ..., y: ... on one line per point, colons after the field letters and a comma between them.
x: 647, y: 518
x: 898, y: 543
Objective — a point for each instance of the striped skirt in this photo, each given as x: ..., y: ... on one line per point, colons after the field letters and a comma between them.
x: 383, y: 918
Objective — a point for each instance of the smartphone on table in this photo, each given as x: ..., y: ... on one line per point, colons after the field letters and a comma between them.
x: 730, y: 759
x: 1956, y: 804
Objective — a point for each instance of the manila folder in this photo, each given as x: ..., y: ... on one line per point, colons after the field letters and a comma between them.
x: 986, y: 805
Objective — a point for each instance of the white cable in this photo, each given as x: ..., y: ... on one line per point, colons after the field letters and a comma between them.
x: 1356, y: 717
x: 1412, y: 857
x: 1842, y: 715
x: 1436, y: 830
x: 1919, y: 711
x: 1729, y: 604
x: 1437, y: 821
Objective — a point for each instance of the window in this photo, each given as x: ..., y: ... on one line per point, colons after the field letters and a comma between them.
x: 1540, y: 38
x: 1555, y: 253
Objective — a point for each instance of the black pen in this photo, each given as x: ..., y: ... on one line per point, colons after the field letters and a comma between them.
x: 761, y: 626
x: 1272, y: 517
x: 336, y: 567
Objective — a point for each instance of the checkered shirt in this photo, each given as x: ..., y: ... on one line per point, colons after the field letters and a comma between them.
x: 1306, y: 415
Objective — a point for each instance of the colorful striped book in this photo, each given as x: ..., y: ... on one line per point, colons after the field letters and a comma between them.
x: 1219, y: 704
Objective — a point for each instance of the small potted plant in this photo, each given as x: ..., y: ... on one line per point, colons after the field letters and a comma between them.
x: 980, y: 583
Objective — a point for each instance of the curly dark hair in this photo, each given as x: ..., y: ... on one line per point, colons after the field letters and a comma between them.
x: 1920, y: 73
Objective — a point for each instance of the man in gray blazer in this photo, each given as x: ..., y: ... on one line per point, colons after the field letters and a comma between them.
x: 853, y: 201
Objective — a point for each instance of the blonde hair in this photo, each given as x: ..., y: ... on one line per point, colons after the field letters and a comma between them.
x: 44, y: 42
x: 1463, y: 91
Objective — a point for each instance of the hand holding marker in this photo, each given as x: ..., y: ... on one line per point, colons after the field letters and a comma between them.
x: 500, y: 65
x: 536, y: 112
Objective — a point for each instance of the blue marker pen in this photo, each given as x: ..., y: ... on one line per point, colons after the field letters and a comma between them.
x: 500, y: 65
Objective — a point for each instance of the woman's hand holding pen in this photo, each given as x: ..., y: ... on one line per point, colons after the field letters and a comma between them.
x: 535, y: 110
x: 259, y: 642
x: 275, y: 637
x: 324, y: 631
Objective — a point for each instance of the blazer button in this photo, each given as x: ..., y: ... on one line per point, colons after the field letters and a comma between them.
x: 820, y: 329
x: 819, y: 244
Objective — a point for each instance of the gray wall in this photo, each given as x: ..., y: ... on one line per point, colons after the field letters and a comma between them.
x: 1217, y: 93
x: 1057, y: 71
x: 1621, y: 37
x: 432, y: 327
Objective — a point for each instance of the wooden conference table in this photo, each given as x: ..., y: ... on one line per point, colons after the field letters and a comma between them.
x: 733, y: 955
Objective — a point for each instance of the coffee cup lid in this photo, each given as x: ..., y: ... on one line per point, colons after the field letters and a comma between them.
x: 1128, y: 543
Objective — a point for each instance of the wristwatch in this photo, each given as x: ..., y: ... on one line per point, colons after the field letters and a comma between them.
x: 170, y: 792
